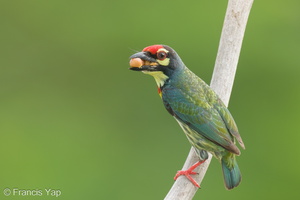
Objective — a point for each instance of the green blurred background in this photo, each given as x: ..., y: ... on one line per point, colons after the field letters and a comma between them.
x: 74, y: 118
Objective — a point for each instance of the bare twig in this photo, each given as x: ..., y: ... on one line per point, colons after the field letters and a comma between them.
x: 222, y: 81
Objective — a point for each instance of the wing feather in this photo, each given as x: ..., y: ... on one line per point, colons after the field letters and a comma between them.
x: 215, y: 124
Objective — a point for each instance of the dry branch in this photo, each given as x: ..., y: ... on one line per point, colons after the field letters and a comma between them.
x: 222, y: 81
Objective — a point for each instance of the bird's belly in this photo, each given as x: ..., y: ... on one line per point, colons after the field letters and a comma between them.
x: 201, y: 143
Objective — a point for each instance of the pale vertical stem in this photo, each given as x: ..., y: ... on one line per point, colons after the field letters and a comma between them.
x: 230, y: 47
x: 222, y: 81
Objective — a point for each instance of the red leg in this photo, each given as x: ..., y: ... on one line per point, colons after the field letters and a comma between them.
x: 188, y: 173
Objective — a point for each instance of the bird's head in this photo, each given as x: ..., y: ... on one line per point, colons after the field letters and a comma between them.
x: 160, y: 61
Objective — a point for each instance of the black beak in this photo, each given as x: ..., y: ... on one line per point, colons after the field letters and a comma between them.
x: 143, y: 56
x: 142, y: 62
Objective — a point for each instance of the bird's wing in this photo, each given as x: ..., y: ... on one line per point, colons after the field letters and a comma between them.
x: 230, y: 123
x: 202, y: 117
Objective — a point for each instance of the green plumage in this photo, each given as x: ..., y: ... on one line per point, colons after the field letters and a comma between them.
x: 205, y: 120
x: 201, y: 114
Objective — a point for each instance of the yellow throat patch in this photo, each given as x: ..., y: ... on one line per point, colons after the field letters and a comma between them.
x: 159, y: 77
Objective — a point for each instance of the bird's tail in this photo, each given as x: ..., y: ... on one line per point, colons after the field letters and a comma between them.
x: 231, y: 171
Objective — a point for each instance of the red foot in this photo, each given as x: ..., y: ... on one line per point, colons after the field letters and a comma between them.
x: 190, y: 171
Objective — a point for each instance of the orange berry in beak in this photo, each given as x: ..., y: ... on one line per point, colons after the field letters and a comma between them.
x: 136, y: 62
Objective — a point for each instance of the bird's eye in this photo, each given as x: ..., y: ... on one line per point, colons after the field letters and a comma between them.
x: 161, y: 55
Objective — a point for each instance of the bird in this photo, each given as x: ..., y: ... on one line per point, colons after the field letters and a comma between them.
x: 203, y: 117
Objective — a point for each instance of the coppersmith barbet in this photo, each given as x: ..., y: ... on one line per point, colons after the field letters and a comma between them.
x: 202, y: 115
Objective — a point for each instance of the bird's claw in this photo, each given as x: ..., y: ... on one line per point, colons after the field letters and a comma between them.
x: 187, y: 173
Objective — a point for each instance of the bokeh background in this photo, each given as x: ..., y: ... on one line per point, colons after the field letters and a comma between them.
x: 74, y: 118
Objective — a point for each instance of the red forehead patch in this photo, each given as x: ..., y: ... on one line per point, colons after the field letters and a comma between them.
x: 153, y: 49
